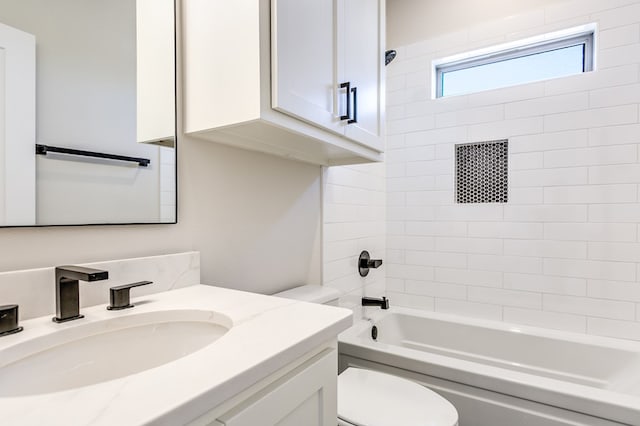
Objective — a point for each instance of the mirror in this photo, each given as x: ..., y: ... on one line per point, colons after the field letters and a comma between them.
x: 87, y: 117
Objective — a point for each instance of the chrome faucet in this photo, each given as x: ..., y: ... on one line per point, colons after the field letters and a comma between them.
x: 67, y: 293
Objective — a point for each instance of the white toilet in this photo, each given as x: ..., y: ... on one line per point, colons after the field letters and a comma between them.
x: 371, y: 398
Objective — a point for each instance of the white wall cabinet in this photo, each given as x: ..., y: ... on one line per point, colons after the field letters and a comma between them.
x: 266, y: 75
x: 361, y: 60
x: 327, y: 65
x: 305, y: 393
x: 303, y: 58
x: 155, y: 72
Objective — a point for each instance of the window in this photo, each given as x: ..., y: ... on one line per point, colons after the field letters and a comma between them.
x: 527, y: 63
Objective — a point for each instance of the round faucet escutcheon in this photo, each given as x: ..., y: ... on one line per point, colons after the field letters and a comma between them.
x: 365, y: 263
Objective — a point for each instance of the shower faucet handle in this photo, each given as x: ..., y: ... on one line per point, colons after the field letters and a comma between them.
x: 120, y: 297
x: 9, y: 320
x: 374, y: 263
x: 365, y: 263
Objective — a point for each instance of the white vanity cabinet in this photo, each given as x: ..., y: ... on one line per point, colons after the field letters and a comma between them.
x: 211, y: 356
x: 304, y: 393
x: 270, y: 75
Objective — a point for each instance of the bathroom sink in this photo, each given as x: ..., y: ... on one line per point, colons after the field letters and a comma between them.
x: 103, y: 350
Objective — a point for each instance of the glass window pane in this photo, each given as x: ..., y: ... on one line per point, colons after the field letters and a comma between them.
x: 509, y: 72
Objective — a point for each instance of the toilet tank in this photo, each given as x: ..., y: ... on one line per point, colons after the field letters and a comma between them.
x: 312, y: 293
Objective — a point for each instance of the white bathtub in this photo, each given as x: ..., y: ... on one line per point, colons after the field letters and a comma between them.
x: 500, y: 374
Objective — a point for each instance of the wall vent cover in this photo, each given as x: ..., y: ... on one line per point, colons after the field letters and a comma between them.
x: 481, y: 172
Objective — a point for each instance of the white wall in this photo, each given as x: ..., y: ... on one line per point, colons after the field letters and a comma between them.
x: 564, y: 252
x: 354, y: 220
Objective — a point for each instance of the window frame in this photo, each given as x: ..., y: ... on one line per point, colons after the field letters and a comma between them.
x: 586, y: 39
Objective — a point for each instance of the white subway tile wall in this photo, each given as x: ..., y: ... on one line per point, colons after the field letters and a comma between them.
x: 564, y: 252
x: 167, y: 184
x: 354, y: 219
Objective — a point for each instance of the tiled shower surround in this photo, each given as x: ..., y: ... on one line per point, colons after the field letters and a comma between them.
x: 354, y: 220
x: 564, y: 251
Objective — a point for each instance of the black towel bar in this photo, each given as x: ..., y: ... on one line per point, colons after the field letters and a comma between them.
x: 44, y: 149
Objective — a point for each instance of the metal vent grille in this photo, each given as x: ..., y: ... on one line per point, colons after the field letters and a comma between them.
x: 481, y: 172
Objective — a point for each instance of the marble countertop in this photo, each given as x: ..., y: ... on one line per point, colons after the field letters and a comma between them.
x: 267, y: 334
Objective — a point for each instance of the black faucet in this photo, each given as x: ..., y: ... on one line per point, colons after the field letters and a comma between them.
x: 372, y: 301
x: 9, y: 320
x: 67, y: 293
x: 365, y: 263
x: 120, y: 297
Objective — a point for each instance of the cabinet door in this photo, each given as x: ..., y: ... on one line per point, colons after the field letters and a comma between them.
x: 361, y: 51
x: 307, y: 396
x: 303, y: 60
x: 155, y: 71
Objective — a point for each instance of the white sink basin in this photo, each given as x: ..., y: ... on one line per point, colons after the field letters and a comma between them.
x: 95, y: 352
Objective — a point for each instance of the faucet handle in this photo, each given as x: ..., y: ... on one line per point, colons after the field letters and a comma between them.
x: 365, y: 263
x: 119, y: 297
x: 9, y: 320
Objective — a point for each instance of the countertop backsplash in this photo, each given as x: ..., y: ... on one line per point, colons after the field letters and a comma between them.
x: 34, y: 289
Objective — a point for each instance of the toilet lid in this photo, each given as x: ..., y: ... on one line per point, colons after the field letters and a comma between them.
x: 371, y: 398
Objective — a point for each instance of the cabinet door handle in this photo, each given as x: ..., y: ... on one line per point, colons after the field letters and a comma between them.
x: 355, y: 106
x: 347, y: 86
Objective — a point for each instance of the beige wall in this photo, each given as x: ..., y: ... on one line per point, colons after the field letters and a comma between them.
x: 409, y: 21
x: 255, y: 218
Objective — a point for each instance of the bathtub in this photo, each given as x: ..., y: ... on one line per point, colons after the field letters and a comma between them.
x: 498, y: 374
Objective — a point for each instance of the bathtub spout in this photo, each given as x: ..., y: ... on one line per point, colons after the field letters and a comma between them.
x: 372, y: 301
